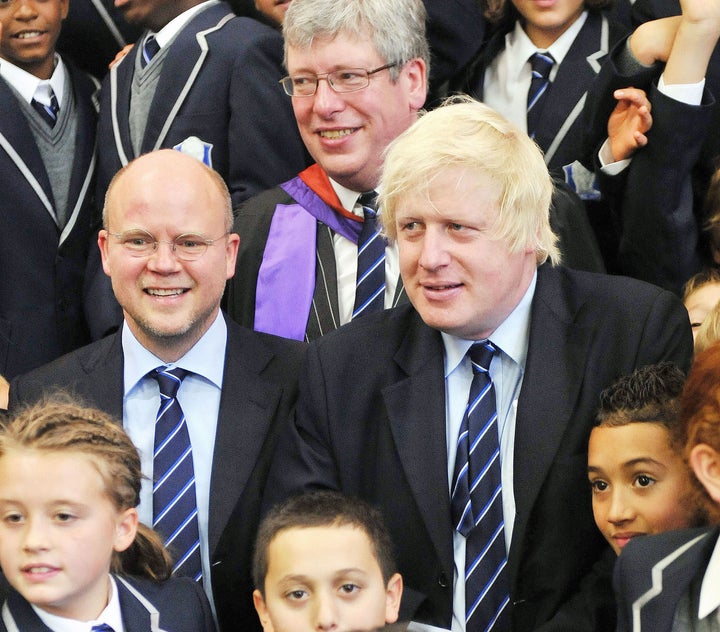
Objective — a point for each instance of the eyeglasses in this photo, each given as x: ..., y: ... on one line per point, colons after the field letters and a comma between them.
x: 187, y: 247
x: 343, y: 80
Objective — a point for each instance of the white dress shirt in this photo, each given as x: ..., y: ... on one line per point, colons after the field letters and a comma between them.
x: 346, y: 260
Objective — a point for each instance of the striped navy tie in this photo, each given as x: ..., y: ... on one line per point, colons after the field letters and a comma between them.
x: 476, y: 501
x: 370, y: 280
x: 49, y: 113
x: 174, y: 500
x: 103, y: 627
x: 541, y: 64
x: 150, y: 49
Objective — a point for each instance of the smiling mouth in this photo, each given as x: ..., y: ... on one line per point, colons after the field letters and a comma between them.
x: 28, y: 34
x: 165, y: 292
x: 337, y: 133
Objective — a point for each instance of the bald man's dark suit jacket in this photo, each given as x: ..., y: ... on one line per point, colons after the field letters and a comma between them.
x: 370, y: 421
x: 653, y: 574
x: 259, y: 390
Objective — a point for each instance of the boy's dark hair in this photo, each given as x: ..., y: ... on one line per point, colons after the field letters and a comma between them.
x: 648, y: 394
x: 323, y: 509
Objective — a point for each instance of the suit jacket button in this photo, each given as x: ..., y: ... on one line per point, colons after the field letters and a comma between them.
x: 442, y: 580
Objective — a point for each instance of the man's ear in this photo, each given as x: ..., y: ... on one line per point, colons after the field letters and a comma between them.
x: 705, y: 462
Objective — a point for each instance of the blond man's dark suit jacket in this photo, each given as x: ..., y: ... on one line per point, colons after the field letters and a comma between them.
x: 178, y: 605
x: 259, y: 391
x: 653, y: 573
x: 370, y: 421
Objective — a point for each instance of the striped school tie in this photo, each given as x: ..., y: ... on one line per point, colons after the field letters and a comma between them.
x: 150, y: 49
x: 476, y: 501
x: 541, y: 64
x: 370, y: 283
x: 174, y: 500
x: 49, y: 113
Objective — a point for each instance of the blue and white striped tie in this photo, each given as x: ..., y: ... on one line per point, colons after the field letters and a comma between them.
x: 174, y: 500
x: 370, y: 282
x: 541, y: 64
x: 476, y: 501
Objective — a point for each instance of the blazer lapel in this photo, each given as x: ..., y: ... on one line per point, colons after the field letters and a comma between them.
x: 416, y: 411
x: 16, y: 140
x: 247, y: 409
x: 566, y: 98
x: 18, y: 616
x: 83, y: 167
x: 180, y: 70
x: 557, y: 354
x: 120, y: 77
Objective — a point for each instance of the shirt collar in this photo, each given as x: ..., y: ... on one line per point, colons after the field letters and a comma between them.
x: 348, y: 198
x: 111, y: 616
x: 26, y: 84
x: 206, y: 358
x: 709, y: 595
x: 174, y: 26
x: 519, y: 46
x: 511, y: 336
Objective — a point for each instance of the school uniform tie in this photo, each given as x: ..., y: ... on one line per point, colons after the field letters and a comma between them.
x: 370, y: 280
x: 150, y: 49
x: 49, y: 113
x: 541, y: 64
x: 174, y: 500
x: 476, y: 501
x: 103, y: 627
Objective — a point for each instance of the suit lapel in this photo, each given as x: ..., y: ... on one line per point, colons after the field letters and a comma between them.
x: 324, y: 310
x: 17, y: 141
x: 566, y: 98
x: 103, y: 381
x: 247, y: 409
x: 416, y: 411
x: 557, y: 354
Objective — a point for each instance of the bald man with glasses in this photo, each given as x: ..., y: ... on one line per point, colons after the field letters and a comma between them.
x: 168, y: 248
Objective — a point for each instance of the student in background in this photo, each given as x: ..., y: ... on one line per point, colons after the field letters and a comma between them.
x: 47, y: 162
x: 639, y: 478
x: 670, y: 581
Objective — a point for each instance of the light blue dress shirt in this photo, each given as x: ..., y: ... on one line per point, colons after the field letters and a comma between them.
x: 199, y: 397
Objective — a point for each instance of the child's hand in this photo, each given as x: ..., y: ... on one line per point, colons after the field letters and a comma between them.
x: 629, y: 122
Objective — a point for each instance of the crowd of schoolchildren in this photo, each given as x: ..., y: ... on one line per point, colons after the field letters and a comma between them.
x: 293, y: 121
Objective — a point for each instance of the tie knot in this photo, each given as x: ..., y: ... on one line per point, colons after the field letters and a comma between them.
x: 169, y: 380
x: 150, y: 49
x: 481, y: 354
x: 368, y: 200
x: 103, y: 627
x: 541, y: 64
